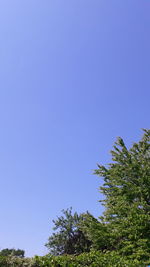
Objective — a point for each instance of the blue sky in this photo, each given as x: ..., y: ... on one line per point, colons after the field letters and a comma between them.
x: 74, y: 75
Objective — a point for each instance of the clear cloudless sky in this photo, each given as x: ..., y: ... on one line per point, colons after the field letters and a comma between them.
x: 74, y: 75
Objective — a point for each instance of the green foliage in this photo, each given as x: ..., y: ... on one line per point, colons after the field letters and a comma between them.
x: 12, y: 252
x: 91, y: 259
x: 127, y: 197
x: 11, y: 261
x: 121, y: 236
x: 97, y: 232
x: 68, y: 239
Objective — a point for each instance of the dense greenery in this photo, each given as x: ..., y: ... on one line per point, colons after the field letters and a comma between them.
x: 91, y: 259
x: 68, y: 239
x: 119, y: 238
x: 12, y: 252
x: 125, y: 224
x: 127, y: 198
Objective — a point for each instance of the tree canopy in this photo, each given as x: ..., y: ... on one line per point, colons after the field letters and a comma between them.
x: 12, y: 252
x: 68, y: 239
x: 127, y: 196
x: 124, y: 227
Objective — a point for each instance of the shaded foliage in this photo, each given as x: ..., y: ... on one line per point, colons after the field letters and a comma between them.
x: 12, y: 252
x: 97, y: 232
x: 69, y: 238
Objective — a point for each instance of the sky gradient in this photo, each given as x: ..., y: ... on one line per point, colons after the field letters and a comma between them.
x: 74, y: 75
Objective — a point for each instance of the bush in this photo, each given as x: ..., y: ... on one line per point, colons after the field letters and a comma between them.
x: 11, y: 261
x: 91, y: 259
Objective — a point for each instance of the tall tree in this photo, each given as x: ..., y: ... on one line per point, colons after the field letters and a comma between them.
x: 127, y: 196
x: 68, y: 239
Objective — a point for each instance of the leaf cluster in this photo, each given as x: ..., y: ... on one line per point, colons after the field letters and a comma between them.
x: 68, y: 238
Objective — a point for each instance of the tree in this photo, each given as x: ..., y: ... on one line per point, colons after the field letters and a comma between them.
x: 12, y: 252
x: 127, y: 197
x: 97, y: 232
x: 68, y: 239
